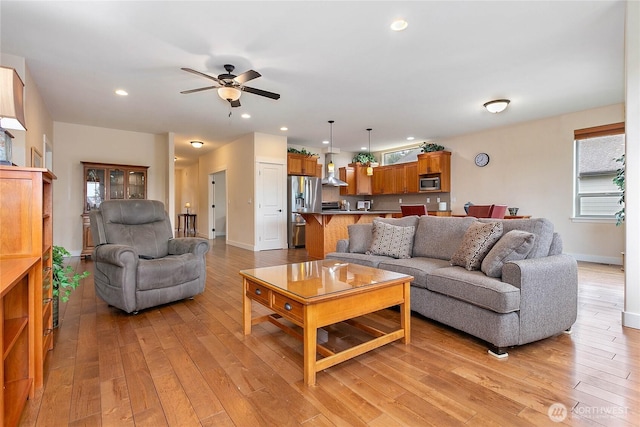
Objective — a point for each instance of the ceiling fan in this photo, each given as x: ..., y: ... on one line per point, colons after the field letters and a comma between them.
x: 230, y: 86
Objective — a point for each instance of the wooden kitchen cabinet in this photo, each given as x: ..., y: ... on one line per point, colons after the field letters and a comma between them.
x: 26, y: 244
x: 355, y: 174
x: 384, y: 180
x: 106, y: 181
x: 302, y: 164
x: 411, y: 183
x: 434, y: 162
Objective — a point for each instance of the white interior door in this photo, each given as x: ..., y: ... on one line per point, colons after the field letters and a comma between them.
x: 271, y: 216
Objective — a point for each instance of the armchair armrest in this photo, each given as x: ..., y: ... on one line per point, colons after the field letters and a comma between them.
x: 548, y: 294
x: 115, y: 271
x: 118, y: 255
x: 342, y: 245
x: 185, y: 245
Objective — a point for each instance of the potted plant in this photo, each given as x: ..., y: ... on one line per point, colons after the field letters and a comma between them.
x: 65, y: 279
x: 428, y: 147
x: 302, y: 151
x: 364, y: 158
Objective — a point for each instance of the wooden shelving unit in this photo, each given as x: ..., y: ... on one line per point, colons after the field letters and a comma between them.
x: 26, y: 243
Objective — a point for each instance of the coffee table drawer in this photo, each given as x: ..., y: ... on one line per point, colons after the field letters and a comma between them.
x: 258, y: 293
x: 287, y: 307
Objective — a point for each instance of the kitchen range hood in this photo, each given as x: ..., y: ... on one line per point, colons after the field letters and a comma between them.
x: 331, y: 179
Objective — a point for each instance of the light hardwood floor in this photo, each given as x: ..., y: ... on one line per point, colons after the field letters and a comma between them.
x: 188, y: 364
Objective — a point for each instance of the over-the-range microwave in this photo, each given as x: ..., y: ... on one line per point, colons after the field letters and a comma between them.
x: 429, y: 183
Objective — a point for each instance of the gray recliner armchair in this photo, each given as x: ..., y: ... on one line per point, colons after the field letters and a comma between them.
x: 137, y: 262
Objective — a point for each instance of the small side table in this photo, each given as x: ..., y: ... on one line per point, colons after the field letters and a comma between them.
x: 189, y: 223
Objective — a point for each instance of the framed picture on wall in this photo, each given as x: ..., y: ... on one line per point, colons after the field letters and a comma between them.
x: 36, y: 158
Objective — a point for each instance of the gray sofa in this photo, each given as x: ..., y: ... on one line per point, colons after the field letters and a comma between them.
x: 529, y: 294
x: 137, y: 262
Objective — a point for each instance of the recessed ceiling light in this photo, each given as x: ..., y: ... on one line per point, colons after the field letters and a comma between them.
x: 246, y: 116
x: 122, y: 92
x: 399, y: 25
x: 411, y: 138
x: 283, y: 128
x: 197, y: 144
x: 325, y: 142
x: 363, y: 148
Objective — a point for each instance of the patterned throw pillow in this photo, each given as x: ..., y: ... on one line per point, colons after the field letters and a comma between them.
x: 391, y: 240
x: 514, y: 245
x: 476, y: 243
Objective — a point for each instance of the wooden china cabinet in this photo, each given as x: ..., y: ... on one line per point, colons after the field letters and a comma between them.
x: 107, y: 181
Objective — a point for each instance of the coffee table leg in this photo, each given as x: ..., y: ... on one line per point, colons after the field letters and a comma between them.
x: 246, y: 308
x: 310, y: 348
x: 405, y: 313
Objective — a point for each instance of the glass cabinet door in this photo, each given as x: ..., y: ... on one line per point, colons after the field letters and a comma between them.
x: 116, y: 184
x: 136, y: 185
x: 95, y: 185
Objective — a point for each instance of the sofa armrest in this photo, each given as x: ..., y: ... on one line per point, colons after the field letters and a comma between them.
x: 342, y: 245
x: 185, y: 245
x: 548, y: 294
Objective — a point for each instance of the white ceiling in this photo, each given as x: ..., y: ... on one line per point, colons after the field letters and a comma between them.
x: 329, y: 61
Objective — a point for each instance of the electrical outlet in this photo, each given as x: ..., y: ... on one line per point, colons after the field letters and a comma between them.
x: 399, y: 200
x: 438, y: 199
x: 428, y: 199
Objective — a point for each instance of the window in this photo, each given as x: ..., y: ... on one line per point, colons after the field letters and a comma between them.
x: 596, y: 152
x: 401, y: 156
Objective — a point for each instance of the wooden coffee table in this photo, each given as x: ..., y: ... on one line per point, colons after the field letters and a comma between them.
x: 314, y: 294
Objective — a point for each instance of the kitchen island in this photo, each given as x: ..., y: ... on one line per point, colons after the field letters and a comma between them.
x: 323, y: 230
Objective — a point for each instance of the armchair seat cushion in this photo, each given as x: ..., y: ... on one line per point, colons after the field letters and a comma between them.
x: 167, y: 271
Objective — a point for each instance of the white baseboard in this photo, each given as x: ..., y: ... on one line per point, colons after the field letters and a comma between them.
x: 598, y: 259
x: 242, y: 245
x: 631, y: 320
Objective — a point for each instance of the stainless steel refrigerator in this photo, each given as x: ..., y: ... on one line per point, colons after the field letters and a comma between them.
x: 304, y: 196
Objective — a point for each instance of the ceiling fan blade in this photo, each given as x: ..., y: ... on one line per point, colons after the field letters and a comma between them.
x: 190, y: 70
x: 260, y: 92
x: 199, y: 89
x: 246, y: 76
x: 235, y: 103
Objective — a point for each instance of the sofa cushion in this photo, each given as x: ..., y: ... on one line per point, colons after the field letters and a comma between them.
x: 419, y: 268
x: 362, y: 259
x: 391, y: 240
x: 541, y: 227
x: 439, y: 236
x: 477, y: 242
x: 475, y: 288
x: 514, y: 245
x: 360, y: 236
x: 405, y: 221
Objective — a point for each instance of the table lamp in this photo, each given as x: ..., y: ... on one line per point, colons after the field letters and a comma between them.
x: 187, y: 205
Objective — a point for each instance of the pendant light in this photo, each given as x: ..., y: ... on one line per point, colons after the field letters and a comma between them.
x: 369, y: 167
x: 331, y: 168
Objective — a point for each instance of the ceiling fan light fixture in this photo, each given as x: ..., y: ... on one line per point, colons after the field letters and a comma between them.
x: 496, y: 106
x: 229, y: 93
x: 197, y: 144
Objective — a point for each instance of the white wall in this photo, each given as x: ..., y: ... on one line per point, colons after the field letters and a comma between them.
x: 531, y: 167
x: 76, y: 143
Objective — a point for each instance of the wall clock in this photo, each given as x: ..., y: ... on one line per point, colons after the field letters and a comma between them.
x: 482, y: 159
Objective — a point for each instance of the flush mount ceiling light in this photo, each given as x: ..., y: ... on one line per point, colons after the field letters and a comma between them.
x: 197, y: 144
x: 497, y: 105
x: 229, y: 93
x: 399, y: 25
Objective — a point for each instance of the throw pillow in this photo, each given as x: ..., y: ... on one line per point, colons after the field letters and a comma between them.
x: 514, y: 245
x: 359, y: 237
x: 476, y: 243
x: 391, y: 240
